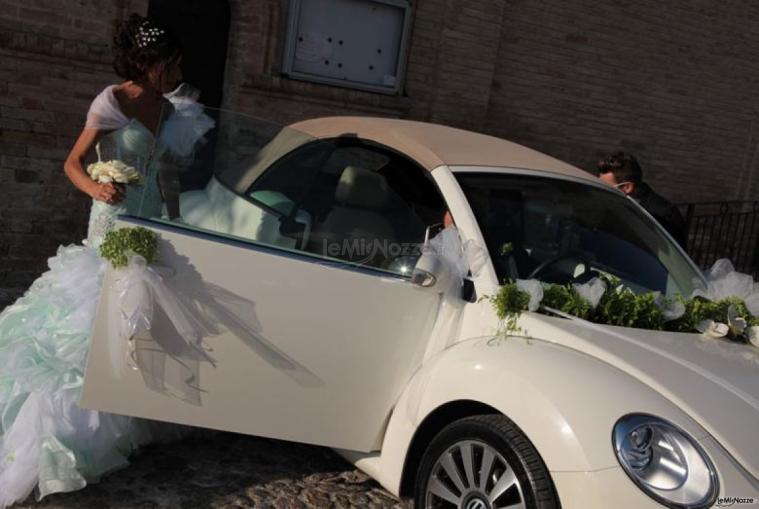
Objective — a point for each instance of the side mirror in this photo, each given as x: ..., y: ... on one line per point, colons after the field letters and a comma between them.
x: 431, y: 270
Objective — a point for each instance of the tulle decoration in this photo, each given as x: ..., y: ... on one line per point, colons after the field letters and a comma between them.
x: 671, y: 309
x: 592, y: 291
x: 104, y: 113
x: 534, y: 289
x: 457, y: 259
x: 185, y: 128
x: 723, y: 281
x: 140, y: 290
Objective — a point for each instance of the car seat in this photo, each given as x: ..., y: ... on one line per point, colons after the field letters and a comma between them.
x: 356, y: 222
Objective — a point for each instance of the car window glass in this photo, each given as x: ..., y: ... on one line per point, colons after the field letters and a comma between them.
x: 342, y: 199
x: 561, y: 232
x: 198, y: 183
x: 354, y: 202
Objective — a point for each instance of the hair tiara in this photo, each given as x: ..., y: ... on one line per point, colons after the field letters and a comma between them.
x: 148, y: 34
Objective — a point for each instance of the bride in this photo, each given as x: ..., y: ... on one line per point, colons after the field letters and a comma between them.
x: 46, y: 440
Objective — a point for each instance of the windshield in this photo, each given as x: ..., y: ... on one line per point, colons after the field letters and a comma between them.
x: 560, y: 232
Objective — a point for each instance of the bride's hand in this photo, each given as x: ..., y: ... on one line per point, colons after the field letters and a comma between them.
x: 109, y: 193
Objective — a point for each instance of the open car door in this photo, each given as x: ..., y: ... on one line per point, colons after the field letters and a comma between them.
x: 290, y: 259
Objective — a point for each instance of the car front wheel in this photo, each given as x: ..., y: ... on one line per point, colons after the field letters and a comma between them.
x: 483, y: 462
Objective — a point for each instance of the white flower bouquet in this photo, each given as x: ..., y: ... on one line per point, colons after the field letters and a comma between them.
x: 114, y: 170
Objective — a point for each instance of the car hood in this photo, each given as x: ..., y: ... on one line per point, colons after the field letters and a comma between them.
x: 715, y: 381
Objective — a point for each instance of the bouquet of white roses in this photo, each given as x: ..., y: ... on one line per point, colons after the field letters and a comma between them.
x: 117, y: 171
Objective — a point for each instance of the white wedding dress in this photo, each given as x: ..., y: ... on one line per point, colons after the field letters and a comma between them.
x: 46, y: 440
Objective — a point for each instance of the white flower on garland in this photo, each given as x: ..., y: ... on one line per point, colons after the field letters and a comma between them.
x: 712, y: 329
x: 736, y: 323
x: 104, y: 172
x: 735, y: 326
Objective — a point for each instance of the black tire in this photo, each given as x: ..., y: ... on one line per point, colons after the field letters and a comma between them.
x: 503, y: 436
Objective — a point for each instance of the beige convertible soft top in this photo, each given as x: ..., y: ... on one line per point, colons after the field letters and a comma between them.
x: 430, y: 145
x: 433, y: 145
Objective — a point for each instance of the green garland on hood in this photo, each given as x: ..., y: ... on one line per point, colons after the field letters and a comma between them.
x: 621, y: 306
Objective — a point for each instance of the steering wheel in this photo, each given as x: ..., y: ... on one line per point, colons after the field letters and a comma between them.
x: 576, y: 255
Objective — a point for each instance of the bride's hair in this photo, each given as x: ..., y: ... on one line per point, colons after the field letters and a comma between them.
x: 140, y: 43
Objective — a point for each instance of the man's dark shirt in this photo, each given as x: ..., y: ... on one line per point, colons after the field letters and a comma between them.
x: 663, y: 211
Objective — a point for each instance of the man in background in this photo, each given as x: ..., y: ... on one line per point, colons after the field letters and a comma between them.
x: 623, y: 172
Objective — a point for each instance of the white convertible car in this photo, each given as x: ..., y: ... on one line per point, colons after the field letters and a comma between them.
x: 295, y: 249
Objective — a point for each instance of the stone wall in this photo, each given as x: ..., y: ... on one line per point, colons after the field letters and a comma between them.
x: 672, y: 82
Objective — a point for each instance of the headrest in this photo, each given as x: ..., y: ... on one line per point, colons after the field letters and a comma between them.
x: 359, y: 187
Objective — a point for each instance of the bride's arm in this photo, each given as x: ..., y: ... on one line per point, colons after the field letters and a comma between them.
x: 74, y: 168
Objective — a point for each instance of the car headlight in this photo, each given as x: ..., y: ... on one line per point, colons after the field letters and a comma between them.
x: 665, y: 462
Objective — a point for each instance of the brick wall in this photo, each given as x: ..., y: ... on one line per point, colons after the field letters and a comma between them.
x: 672, y: 82
x: 253, y: 82
x: 53, y: 61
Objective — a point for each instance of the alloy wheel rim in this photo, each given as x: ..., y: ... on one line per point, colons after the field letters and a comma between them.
x: 471, y: 474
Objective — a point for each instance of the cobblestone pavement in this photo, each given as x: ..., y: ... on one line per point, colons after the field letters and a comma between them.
x: 226, y: 470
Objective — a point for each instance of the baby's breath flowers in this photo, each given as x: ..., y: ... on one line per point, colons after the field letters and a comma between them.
x: 118, y: 244
x: 104, y: 172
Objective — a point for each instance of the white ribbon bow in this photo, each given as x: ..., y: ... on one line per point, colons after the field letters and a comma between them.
x: 140, y: 289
